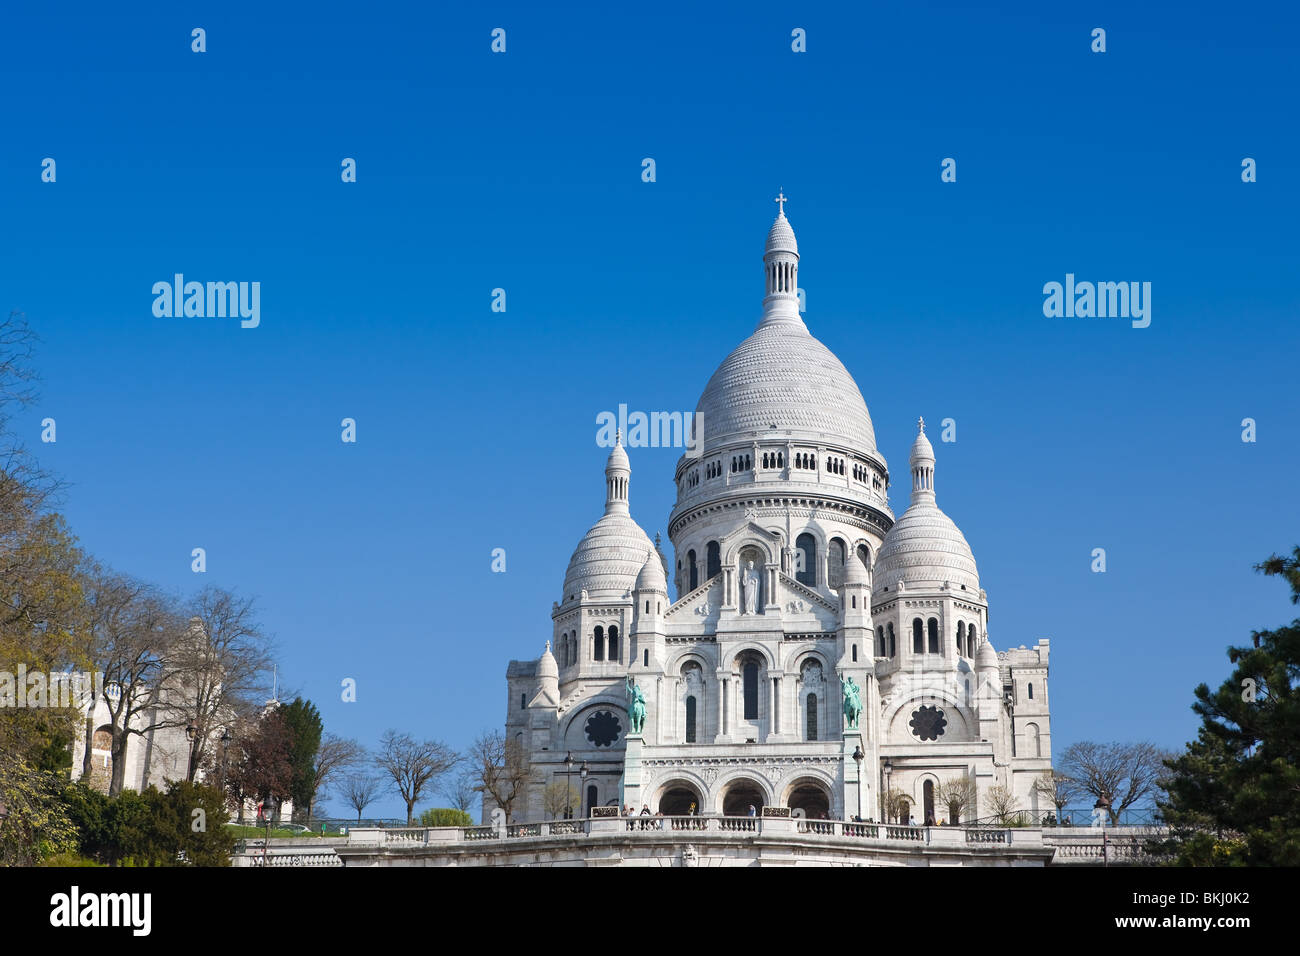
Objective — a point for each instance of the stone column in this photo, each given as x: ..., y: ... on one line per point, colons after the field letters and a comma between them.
x: 631, y: 785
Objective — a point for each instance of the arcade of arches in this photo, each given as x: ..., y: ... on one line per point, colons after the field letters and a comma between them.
x: 677, y: 796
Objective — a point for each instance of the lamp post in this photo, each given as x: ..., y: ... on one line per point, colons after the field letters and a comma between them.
x: 568, y: 785
x: 858, y: 756
x: 225, y: 743
x: 582, y: 775
x: 191, y: 732
x: 884, y: 812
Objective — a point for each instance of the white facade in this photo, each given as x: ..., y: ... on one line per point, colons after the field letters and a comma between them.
x: 791, y: 575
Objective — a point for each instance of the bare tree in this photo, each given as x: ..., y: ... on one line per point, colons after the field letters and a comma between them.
x: 221, y: 663
x: 501, y: 769
x: 412, y: 765
x: 1058, y: 788
x: 1117, y: 774
x: 335, y: 757
x: 461, y: 790
x: 360, y: 790
x: 958, y: 795
x: 897, y: 804
x: 558, y: 798
x: 1001, y: 803
x: 135, y: 629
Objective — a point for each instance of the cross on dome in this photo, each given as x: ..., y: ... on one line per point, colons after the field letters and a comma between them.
x: 780, y: 200
x: 920, y: 424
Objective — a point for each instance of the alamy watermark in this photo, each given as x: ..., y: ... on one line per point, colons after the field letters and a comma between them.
x: 1102, y: 300
x: 653, y: 430
x: 73, y: 689
x: 213, y: 300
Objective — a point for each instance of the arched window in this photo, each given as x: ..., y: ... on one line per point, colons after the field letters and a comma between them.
x: 880, y: 642
x: 961, y: 638
x: 812, y: 717
x: 893, y: 647
x: 614, y: 655
x: 927, y: 793
x: 750, y: 672
x: 1034, y: 739
x: 806, y: 552
x: 855, y: 653
x: 864, y: 555
x: 593, y: 797
x: 690, y: 720
x: 523, y: 701
x: 1031, y: 691
x: 712, y: 560
x: 598, y: 650
x: 835, y: 563
x: 692, y: 570
x: 934, y: 635
x: 918, y: 637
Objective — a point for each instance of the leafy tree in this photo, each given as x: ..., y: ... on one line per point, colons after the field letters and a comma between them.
x: 259, y: 765
x: 413, y: 765
x: 1234, y: 796
x: 35, y: 823
x: 445, y: 817
x: 303, y: 722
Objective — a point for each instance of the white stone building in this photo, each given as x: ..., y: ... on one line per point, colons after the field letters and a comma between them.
x: 791, y: 576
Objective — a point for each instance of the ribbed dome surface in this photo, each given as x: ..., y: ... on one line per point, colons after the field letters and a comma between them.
x: 781, y: 376
x: 608, y: 558
x: 780, y: 238
x: 652, y: 576
x: 925, y: 548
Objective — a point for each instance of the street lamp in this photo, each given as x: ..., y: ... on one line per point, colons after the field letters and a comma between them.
x: 225, y: 743
x: 568, y: 785
x: 889, y: 768
x: 582, y: 775
x: 858, y: 756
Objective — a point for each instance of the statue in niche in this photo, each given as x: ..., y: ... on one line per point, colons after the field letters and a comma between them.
x: 749, y: 588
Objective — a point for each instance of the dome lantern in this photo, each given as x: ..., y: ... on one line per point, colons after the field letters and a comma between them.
x: 781, y: 268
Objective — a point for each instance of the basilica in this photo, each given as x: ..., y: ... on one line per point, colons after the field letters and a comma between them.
x: 813, y: 656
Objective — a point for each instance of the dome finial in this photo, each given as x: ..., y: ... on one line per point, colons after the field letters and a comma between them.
x: 618, y: 437
x: 780, y: 200
x: 920, y: 425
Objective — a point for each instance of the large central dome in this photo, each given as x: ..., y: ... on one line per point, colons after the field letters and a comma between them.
x: 784, y: 379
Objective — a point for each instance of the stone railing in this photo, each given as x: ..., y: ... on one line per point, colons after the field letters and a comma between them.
x: 906, y: 833
x: 644, y: 826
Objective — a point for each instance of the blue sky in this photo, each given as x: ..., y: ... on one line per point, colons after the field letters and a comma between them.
x: 523, y: 171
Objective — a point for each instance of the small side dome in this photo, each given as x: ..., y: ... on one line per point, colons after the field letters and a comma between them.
x: 652, y: 576
x: 546, y: 666
x: 854, y: 572
x: 986, y: 658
